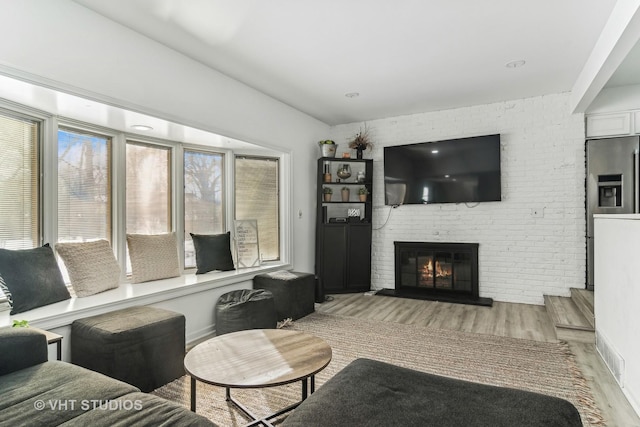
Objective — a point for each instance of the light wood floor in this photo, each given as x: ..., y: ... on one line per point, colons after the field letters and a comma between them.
x: 505, y: 319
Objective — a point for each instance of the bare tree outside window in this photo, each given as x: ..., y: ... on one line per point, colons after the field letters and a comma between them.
x: 203, y: 198
x: 84, y: 186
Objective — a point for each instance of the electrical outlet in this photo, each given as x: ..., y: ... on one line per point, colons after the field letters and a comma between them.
x: 537, y: 212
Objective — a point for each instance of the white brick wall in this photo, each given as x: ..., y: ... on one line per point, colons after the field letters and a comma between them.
x: 521, y: 257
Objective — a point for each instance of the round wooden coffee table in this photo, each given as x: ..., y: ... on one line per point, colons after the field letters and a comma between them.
x: 258, y: 358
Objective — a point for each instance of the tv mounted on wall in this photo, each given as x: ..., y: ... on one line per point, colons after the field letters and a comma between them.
x: 450, y: 171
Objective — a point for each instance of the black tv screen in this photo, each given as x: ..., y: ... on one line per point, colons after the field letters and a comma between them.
x: 450, y: 171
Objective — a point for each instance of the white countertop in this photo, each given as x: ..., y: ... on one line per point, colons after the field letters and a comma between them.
x: 616, y: 216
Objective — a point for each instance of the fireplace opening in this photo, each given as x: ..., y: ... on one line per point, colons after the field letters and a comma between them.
x: 438, y: 271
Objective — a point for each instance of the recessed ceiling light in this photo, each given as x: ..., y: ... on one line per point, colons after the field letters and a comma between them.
x: 142, y: 127
x: 434, y: 151
x: 446, y: 176
x: 515, y: 64
x: 352, y: 95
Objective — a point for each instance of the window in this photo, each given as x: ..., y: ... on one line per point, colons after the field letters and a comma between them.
x: 257, y: 197
x: 84, y: 186
x: 203, y: 198
x: 148, y: 189
x: 19, y: 183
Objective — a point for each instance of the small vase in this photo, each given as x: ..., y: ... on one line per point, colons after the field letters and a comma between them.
x: 327, y: 197
x: 345, y: 195
x: 344, y: 172
x: 359, y: 153
x: 363, y: 197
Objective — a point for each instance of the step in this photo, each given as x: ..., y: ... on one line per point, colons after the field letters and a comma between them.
x: 569, y: 322
x: 583, y: 299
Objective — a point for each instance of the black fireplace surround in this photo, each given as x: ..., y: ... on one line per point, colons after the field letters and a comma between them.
x: 437, y: 271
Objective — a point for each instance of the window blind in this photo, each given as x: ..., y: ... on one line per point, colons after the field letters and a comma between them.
x: 148, y: 189
x: 257, y: 191
x: 19, y: 183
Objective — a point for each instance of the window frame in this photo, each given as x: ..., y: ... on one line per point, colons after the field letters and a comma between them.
x: 278, y: 161
x: 44, y: 121
x: 226, y: 223
x: 175, y: 152
x: 47, y: 158
x: 72, y: 126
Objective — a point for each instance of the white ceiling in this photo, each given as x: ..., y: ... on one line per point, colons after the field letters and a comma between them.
x: 402, y: 57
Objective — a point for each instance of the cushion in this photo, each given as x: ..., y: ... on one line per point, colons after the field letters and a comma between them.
x: 153, y: 256
x: 213, y: 252
x: 32, y: 277
x: 92, y: 266
x: 388, y: 395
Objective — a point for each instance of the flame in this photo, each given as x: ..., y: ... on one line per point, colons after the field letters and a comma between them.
x: 441, y: 269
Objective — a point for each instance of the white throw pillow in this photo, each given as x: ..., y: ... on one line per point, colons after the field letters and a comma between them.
x: 92, y: 266
x: 153, y: 256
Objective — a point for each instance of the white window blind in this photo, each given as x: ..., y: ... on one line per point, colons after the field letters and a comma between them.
x: 203, y: 198
x: 257, y: 190
x: 148, y: 189
x: 19, y: 183
x: 84, y: 186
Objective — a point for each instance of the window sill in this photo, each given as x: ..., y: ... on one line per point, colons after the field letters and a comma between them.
x: 127, y: 294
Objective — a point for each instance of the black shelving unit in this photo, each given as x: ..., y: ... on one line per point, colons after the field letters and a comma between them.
x: 343, y: 227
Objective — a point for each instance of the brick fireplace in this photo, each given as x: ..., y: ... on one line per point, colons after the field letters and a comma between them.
x: 437, y: 271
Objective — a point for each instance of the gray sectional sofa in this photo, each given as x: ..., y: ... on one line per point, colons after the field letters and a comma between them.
x: 37, y: 392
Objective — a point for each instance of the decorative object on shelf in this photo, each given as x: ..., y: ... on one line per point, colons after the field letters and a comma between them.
x: 327, y: 192
x: 326, y: 175
x: 328, y: 148
x: 345, y: 194
x: 344, y: 171
x: 346, y: 155
x: 353, y: 212
x: 362, y: 194
x: 361, y: 141
x: 360, y: 177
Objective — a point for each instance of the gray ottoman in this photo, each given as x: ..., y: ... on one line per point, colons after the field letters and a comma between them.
x: 294, y: 293
x: 245, y: 309
x: 143, y: 346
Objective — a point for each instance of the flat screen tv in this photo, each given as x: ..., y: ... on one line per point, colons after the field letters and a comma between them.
x: 450, y: 171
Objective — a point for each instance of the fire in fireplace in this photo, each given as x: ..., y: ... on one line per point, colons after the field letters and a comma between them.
x: 441, y: 271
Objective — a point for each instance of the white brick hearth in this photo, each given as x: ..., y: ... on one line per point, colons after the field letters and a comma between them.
x: 532, y: 242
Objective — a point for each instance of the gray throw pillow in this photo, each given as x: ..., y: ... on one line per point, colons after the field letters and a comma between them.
x: 153, y: 256
x: 213, y: 252
x: 92, y: 266
x: 32, y: 277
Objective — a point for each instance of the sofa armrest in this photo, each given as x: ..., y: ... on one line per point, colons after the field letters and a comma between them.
x: 21, y: 348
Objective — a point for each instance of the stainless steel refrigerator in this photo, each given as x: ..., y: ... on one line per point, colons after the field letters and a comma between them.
x: 612, y: 183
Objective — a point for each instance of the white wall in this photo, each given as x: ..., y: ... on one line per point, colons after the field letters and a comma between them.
x: 521, y: 257
x: 66, y: 46
x: 616, y: 296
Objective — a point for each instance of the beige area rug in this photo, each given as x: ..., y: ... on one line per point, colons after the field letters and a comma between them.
x: 547, y: 368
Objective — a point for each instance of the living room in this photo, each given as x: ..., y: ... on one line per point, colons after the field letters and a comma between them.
x: 532, y: 241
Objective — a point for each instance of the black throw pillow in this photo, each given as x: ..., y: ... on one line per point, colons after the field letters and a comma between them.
x: 32, y: 277
x: 213, y: 252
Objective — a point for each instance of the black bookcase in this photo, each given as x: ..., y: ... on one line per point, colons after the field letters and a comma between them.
x: 343, y: 225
